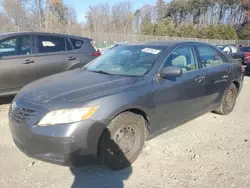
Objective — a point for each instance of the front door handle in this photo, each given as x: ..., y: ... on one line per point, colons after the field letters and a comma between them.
x: 28, y: 61
x: 229, y: 70
x: 199, y: 79
x: 71, y: 58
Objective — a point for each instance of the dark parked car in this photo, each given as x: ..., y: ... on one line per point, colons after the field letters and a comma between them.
x: 25, y: 57
x: 234, y: 51
x: 130, y: 94
x: 246, y: 51
x: 247, y: 70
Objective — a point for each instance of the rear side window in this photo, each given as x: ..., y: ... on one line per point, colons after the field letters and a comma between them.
x: 77, y: 43
x: 47, y: 44
x: 69, y: 46
x: 209, y: 57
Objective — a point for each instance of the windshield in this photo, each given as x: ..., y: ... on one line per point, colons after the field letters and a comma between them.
x: 245, y: 49
x: 126, y: 61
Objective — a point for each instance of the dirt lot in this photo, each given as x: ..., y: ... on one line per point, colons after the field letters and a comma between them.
x: 211, y: 151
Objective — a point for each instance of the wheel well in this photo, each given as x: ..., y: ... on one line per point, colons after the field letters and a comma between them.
x: 143, y: 114
x: 237, y: 84
x: 135, y: 111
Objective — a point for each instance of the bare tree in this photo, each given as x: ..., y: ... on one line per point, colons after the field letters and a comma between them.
x: 122, y: 17
x: 104, y: 18
x: 38, y: 9
x: 15, y: 11
x: 137, y: 20
x: 160, y: 10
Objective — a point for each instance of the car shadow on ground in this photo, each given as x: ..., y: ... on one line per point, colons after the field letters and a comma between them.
x: 98, y: 176
x: 6, y: 100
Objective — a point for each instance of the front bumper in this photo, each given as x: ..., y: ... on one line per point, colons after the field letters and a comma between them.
x: 68, y: 144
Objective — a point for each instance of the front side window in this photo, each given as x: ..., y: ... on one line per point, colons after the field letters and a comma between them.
x: 126, y: 60
x: 182, y: 57
x: 48, y: 44
x: 15, y: 46
x: 209, y: 57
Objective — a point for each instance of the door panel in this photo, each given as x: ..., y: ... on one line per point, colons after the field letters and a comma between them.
x: 49, y: 64
x: 17, y: 63
x: 178, y: 99
x: 52, y: 56
x: 217, y: 80
x: 218, y: 73
x: 83, y: 50
x: 16, y: 73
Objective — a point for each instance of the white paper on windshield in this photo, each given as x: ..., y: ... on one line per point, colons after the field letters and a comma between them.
x: 48, y: 43
x: 151, y: 51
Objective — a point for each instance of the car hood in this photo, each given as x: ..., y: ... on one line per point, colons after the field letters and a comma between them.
x: 74, y: 86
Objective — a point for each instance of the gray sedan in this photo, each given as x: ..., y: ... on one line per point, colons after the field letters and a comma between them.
x: 109, y: 108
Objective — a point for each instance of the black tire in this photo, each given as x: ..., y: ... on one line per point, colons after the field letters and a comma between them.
x: 228, y: 100
x: 122, y: 141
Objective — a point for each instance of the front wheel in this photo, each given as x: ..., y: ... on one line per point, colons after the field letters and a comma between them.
x: 228, y: 100
x: 122, y: 141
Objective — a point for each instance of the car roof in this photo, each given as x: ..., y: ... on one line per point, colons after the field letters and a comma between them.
x: 171, y: 42
x: 2, y: 35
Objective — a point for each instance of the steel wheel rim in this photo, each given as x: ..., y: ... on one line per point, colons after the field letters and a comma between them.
x: 230, y: 99
x: 127, y: 138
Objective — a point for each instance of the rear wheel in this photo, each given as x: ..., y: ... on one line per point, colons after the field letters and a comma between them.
x: 122, y: 141
x: 228, y: 100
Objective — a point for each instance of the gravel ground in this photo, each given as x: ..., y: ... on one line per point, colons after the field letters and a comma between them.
x: 210, y: 151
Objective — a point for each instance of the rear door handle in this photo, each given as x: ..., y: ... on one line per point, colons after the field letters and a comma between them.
x: 28, y: 61
x: 225, y: 77
x: 199, y: 79
x: 71, y: 58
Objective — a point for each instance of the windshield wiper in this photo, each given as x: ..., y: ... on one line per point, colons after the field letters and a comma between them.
x: 101, y: 72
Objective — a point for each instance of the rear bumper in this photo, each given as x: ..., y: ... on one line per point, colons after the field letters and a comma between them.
x: 69, y: 145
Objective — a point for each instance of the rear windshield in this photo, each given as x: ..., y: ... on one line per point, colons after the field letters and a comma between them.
x: 126, y: 60
x: 245, y: 49
x: 221, y: 47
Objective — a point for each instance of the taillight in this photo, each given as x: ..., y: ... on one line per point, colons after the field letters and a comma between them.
x: 96, y: 53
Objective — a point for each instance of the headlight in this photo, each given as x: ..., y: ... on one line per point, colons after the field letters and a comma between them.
x: 67, y: 116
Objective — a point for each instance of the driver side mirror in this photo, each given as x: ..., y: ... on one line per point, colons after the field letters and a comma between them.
x: 171, y: 72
